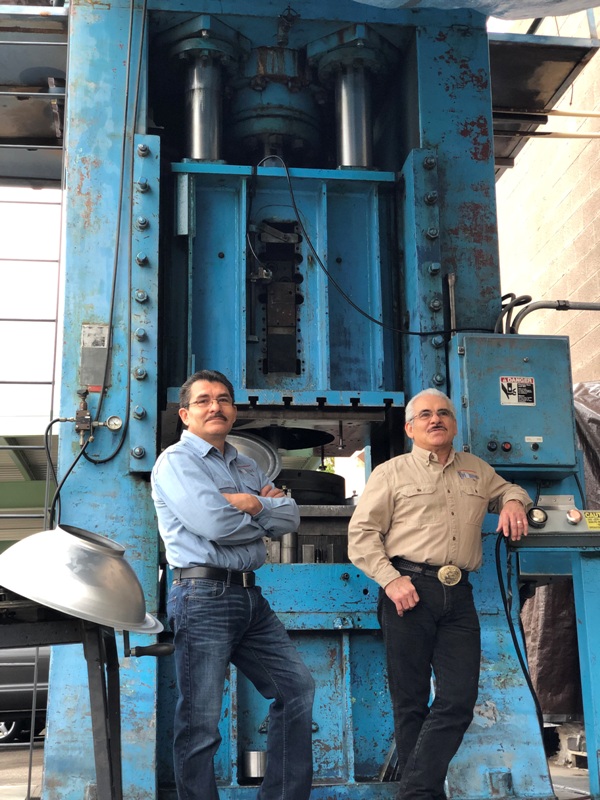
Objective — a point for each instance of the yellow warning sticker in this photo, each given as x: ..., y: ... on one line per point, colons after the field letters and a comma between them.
x: 593, y: 520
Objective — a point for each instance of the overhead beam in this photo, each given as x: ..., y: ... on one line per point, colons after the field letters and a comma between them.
x: 18, y: 457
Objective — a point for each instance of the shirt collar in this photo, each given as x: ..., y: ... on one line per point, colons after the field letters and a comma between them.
x: 204, y: 448
x: 427, y: 456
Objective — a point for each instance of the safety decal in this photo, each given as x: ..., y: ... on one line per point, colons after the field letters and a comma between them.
x: 516, y: 391
x: 593, y: 520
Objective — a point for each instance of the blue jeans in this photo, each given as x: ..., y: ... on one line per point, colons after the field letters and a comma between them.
x: 440, y: 633
x: 215, y: 624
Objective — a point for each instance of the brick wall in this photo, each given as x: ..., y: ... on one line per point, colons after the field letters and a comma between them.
x: 549, y: 215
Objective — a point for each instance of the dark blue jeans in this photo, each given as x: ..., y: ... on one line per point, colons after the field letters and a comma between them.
x: 215, y: 624
x: 441, y: 634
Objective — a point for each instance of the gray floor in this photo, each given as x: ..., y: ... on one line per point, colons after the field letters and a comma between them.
x: 570, y: 782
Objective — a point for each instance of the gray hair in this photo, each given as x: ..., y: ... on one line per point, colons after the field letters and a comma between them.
x: 410, y: 406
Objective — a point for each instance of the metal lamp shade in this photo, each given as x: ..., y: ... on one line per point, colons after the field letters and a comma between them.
x: 80, y: 573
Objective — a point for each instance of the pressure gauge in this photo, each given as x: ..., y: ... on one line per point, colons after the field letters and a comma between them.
x: 537, y: 517
x: 114, y: 423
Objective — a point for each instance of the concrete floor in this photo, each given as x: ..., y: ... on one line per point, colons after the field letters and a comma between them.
x: 569, y: 782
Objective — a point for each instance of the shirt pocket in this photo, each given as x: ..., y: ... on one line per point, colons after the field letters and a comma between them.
x: 251, y: 483
x: 474, y: 504
x: 416, y: 503
x: 227, y: 488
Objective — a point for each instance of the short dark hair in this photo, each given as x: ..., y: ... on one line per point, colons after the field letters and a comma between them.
x: 210, y: 375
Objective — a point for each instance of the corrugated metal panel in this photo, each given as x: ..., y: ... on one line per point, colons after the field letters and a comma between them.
x: 34, y: 460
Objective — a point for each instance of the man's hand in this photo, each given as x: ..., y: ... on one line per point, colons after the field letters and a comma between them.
x: 402, y: 593
x: 249, y: 503
x: 271, y: 491
x: 513, y: 520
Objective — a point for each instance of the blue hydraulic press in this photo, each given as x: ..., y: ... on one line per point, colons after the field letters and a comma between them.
x: 304, y: 199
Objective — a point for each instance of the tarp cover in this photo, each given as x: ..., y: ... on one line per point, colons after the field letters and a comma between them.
x: 587, y: 421
x: 508, y: 9
x: 549, y: 616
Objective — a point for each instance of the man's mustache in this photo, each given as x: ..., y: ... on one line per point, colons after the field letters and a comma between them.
x: 218, y: 415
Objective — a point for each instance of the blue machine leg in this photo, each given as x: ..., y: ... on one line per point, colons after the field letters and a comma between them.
x: 586, y: 586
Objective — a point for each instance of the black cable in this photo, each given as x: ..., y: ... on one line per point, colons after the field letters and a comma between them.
x: 333, y: 281
x: 113, y: 289
x: 508, y: 309
x: 513, y: 634
x: 92, y: 459
x: 49, y: 463
x: 582, y: 494
x: 498, y: 326
x: 61, y: 484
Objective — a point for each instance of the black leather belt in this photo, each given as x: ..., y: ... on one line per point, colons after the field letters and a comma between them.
x: 245, y: 579
x: 449, y: 574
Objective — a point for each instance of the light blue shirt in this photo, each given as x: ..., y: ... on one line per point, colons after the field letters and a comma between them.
x: 197, y: 524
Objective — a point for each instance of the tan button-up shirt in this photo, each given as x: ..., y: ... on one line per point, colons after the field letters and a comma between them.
x: 415, y: 508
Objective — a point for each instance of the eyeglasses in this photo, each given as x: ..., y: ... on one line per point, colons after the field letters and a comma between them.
x: 427, y: 414
x: 205, y: 402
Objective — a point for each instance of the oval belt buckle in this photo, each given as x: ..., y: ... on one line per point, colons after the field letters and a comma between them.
x: 449, y: 574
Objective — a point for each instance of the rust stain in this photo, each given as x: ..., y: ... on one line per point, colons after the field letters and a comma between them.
x: 465, y: 75
x: 478, y: 131
x: 483, y: 188
x: 476, y: 227
x: 332, y: 654
x: 487, y: 711
x: 87, y: 167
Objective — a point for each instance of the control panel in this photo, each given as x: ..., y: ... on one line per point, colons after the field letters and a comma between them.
x: 513, y: 398
x: 561, y: 527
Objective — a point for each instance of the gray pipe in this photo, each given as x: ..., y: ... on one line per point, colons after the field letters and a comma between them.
x: 557, y: 305
x: 353, y: 117
x: 203, y: 109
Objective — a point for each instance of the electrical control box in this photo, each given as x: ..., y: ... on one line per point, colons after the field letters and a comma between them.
x: 513, y: 399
